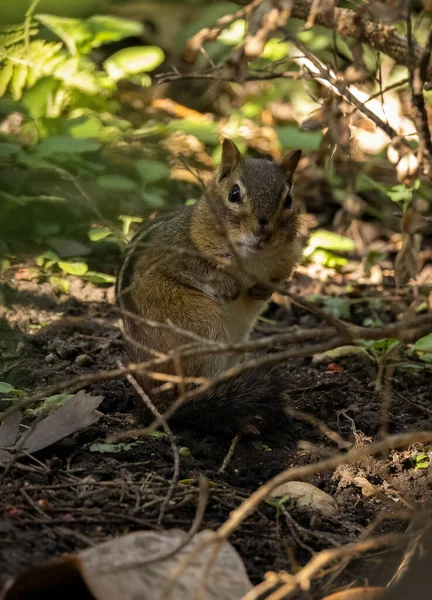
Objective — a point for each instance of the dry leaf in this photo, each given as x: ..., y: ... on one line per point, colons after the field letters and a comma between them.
x: 306, y: 494
x: 407, y: 169
x: 317, y: 120
x: 118, y: 569
x: 9, y: 429
x: 407, y: 264
x: 324, y: 8
x: 76, y: 414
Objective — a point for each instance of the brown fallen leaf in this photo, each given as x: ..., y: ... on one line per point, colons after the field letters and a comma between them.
x: 306, y: 494
x: 79, y: 412
x: 9, y: 429
x: 128, y: 568
x: 367, y: 593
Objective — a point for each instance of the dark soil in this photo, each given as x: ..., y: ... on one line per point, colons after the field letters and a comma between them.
x: 69, y: 496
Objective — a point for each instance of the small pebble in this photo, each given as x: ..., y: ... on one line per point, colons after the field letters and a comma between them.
x: 83, y: 360
x: 50, y: 358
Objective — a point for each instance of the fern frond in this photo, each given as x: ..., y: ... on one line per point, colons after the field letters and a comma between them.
x: 5, y: 76
x: 18, y: 81
x: 14, y: 34
x: 23, y: 66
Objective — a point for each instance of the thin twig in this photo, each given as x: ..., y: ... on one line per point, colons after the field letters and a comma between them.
x: 230, y: 453
x: 176, y: 456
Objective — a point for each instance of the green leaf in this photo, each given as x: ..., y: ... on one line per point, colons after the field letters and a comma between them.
x: 36, y: 98
x: 18, y: 82
x: 185, y: 452
x: 80, y: 36
x: 48, y: 257
x: 234, y: 34
x: 400, y: 193
x: 275, y: 50
x: 105, y: 29
x: 347, y: 351
x: 133, y: 60
x: 323, y: 257
x: 59, y: 283
x: 6, y: 73
x: 7, y: 150
x: 6, y: 388
x: 292, y: 137
x: 84, y: 127
x: 152, y: 170
x: 65, y: 144
x: 50, y: 404
x: 99, y: 233
x: 206, y: 131
x: 424, y: 344
x: 95, y: 277
x: 329, y: 241
x: 73, y: 268
x: 116, y: 183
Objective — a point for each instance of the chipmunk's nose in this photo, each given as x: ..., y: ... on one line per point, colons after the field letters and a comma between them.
x: 263, y: 230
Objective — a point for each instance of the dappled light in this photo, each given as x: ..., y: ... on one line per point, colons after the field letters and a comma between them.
x: 216, y: 299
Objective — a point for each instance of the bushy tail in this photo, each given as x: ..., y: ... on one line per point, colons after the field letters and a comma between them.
x: 248, y: 403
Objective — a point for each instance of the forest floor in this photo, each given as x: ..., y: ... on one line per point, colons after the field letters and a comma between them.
x: 70, y: 495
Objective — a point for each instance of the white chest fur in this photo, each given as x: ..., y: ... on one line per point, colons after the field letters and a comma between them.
x: 241, y: 315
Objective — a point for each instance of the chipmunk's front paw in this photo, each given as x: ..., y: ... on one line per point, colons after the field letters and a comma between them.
x: 231, y: 290
x: 260, y: 292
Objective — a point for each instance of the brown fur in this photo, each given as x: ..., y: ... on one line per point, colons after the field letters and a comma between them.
x: 216, y: 302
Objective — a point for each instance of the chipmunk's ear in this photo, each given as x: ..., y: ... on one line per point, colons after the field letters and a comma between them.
x: 230, y: 158
x: 289, y: 164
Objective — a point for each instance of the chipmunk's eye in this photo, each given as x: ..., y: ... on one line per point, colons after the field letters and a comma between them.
x: 235, y: 194
x: 288, y: 201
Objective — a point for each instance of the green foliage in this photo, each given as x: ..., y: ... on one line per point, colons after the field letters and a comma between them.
x: 423, y: 348
x: 50, y: 261
x: 7, y: 388
x: 53, y: 71
x: 131, y: 61
x: 49, y: 404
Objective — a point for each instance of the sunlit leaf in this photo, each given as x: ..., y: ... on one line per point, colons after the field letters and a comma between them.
x: 117, y: 183
x: 84, y: 126
x: 59, y: 283
x: 234, y: 34
x: 73, y: 268
x: 275, y: 50
x: 6, y: 73
x: 133, y: 60
x: 81, y: 35
x: 326, y: 258
x: 37, y: 97
x: 98, y: 278
x: 18, y: 81
x: 329, y: 241
x: 99, y: 233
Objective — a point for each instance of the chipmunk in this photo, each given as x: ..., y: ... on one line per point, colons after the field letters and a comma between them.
x: 197, y: 269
